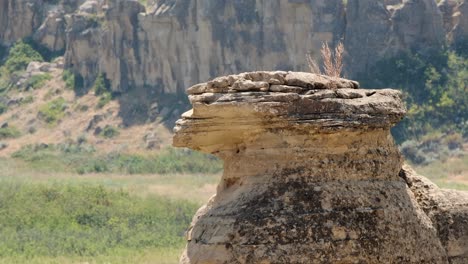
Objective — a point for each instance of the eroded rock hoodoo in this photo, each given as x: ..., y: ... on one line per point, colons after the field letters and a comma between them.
x: 311, y: 175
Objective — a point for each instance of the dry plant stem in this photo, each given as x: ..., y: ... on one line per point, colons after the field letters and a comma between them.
x: 332, y: 63
x: 313, y: 66
x: 338, y: 65
x: 327, y: 60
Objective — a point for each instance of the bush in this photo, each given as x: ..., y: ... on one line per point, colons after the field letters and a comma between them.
x: 53, y: 111
x: 454, y: 141
x: 102, y: 89
x: 38, y: 81
x: 69, y: 78
x: 104, y: 99
x: 9, y: 132
x: 3, y: 108
x: 109, y: 132
x: 101, y: 85
x: 20, y: 56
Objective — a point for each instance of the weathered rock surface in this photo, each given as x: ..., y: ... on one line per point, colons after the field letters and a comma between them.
x: 311, y: 175
x: 448, y: 8
x: 18, y: 19
x: 168, y: 45
x: 375, y: 30
x: 51, y: 34
x: 459, y: 33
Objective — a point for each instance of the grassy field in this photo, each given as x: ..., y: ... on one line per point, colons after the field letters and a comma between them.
x: 451, y: 173
x: 65, y: 216
x: 52, y: 212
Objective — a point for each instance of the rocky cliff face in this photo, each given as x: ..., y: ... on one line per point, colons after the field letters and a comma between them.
x: 311, y: 175
x: 18, y: 19
x: 171, y: 44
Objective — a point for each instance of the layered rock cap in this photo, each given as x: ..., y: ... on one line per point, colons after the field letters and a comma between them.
x: 312, y: 175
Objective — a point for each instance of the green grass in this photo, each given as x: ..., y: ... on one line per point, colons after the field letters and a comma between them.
x: 447, y: 174
x: 82, y: 158
x: 38, y: 81
x: 53, y: 111
x: 148, y: 256
x: 63, y: 219
x: 9, y: 132
x: 69, y: 78
x: 3, y: 108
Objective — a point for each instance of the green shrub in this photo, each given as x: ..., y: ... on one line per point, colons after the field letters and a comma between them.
x: 69, y: 78
x: 109, y: 132
x: 9, y: 132
x: 53, y: 111
x: 38, y: 81
x: 20, y: 56
x: 102, y: 89
x: 27, y: 100
x: 101, y: 85
x: 435, y: 90
x: 85, y: 220
x: 3, y: 108
x: 454, y: 141
x: 104, y: 99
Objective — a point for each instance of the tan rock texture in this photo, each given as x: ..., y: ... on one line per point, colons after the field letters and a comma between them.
x: 18, y: 19
x: 311, y: 175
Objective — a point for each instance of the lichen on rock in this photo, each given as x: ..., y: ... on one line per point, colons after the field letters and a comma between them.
x: 311, y: 175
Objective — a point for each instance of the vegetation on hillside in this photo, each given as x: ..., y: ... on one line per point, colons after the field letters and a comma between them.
x: 18, y: 58
x: 435, y: 86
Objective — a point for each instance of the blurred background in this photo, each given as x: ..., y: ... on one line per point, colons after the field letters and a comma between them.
x: 90, y: 91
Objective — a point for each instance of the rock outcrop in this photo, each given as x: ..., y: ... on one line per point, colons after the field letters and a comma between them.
x: 311, y: 175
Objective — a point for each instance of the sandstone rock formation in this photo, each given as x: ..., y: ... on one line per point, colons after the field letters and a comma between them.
x: 311, y: 175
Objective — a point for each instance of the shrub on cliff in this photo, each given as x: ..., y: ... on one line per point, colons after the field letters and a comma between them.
x: 102, y: 89
x: 20, y: 56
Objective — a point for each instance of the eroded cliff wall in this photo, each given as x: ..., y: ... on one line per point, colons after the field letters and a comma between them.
x: 171, y: 44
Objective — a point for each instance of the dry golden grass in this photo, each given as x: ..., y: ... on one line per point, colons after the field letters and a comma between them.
x: 452, y: 173
x: 332, y: 62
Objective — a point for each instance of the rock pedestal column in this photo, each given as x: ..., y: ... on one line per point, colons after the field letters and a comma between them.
x: 311, y: 174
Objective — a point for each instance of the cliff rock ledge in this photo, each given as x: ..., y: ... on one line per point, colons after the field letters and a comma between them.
x: 312, y: 175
